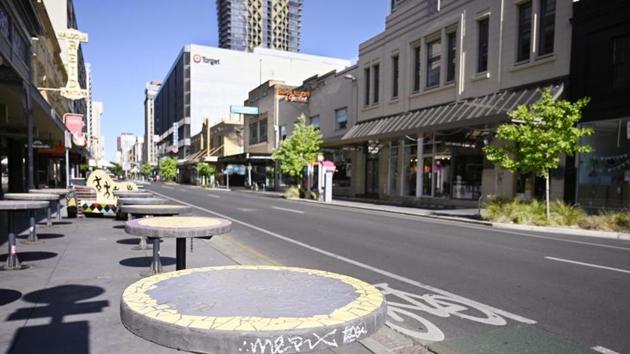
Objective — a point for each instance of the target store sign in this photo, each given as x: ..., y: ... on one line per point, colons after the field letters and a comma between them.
x: 197, y: 58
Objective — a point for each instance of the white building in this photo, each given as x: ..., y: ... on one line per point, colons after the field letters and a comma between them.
x: 97, y: 146
x: 205, y: 81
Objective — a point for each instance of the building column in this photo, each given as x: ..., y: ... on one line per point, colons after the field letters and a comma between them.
x: 401, y: 166
x: 28, y: 111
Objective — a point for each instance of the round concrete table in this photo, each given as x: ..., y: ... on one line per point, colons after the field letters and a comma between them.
x: 252, y: 309
x: 154, y: 210
x: 178, y: 227
x: 49, y: 198
x: 136, y: 194
x: 138, y: 201
x: 61, y: 192
x: 12, y: 206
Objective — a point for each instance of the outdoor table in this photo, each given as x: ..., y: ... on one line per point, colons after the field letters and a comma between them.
x: 61, y: 192
x: 152, y: 210
x: 139, y: 201
x: 134, y: 194
x: 252, y: 309
x: 49, y: 198
x: 178, y: 227
x: 12, y: 206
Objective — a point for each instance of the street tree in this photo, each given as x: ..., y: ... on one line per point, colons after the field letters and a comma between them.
x: 168, y: 169
x: 537, y: 136
x: 205, y: 170
x: 116, y: 169
x: 146, y: 170
x: 299, y: 149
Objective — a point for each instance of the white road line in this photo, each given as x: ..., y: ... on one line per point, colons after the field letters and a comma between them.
x: 214, y: 196
x: 386, y: 273
x: 603, y: 350
x: 289, y: 210
x: 588, y: 264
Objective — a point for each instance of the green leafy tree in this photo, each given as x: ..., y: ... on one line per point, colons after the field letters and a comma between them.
x: 84, y: 168
x: 168, y: 169
x: 146, y: 170
x: 298, y: 149
x: 116, y: 169
x: 205, y: 170
x: 538, y: 135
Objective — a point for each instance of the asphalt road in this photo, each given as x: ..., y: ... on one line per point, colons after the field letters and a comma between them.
x: 454, y: 284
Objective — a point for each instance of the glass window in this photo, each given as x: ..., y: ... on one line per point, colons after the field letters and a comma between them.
x: 416, y: 69
x: 524, y: 31
x: 411, y: 167
x: 395, y: 75
x: 366, y: 100
x: 377, y: 73
x: 263, y: 131
x: 434, y: 50
x: 393, y: 168
x: 427, y: 175
x: 621, y: 61
x: 315, y: 121
x: 5, y: 24
x: 482, y: 49
x: 547, y: 26
x: 253, y: 133
x: 341, y: 118
x: 604, y: 173
x: 451, y: 59
x: 283, y: 132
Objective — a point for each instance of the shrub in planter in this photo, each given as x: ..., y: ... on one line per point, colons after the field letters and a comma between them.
x: 292, y: 193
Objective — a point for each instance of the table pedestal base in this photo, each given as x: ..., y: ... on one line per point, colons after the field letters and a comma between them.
x: 156, y: 263
x: 180, y: 253
x: 142, y: 246
x: 12, y: 263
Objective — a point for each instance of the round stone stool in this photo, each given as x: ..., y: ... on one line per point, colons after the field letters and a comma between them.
x: 252, y: 309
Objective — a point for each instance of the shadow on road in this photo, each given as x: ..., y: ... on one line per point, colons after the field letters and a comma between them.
x: 7, y: 296
x: 31, y: 256
x: 139, y: 262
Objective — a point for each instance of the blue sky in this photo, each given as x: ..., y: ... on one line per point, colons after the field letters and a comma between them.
x: 135, y: 41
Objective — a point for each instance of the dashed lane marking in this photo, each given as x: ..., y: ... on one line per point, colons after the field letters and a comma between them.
x: 588, y: 264
x: 289, y: 210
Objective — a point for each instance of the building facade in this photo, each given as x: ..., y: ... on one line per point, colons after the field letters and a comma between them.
x: 97, y: 147
x: 435, y: 84
x: 124, y: 144
x: 600, y: 70
x: 149, y: 155
x: 249, y: 24
x: 204, y: 82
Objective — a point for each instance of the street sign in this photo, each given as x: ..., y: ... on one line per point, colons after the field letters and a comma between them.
x: 244, y: 110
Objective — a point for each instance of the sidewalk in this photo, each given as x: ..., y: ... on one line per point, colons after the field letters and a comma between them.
x: 68, y: 301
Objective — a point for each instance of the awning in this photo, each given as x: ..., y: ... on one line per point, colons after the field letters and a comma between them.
x: 193, y: 158
x: 479, y: 110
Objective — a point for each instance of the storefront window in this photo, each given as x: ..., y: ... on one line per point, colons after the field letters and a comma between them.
x: 393, y: 168
x: 467, y: 171
x: 604, y: 174
x: 411, y: 168
x: 427, y: 176
x: 442, y: 171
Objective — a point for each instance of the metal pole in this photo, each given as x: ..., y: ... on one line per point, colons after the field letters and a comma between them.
x: 67, y: 168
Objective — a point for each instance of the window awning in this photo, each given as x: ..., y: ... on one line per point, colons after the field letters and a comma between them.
x: 479, y: 110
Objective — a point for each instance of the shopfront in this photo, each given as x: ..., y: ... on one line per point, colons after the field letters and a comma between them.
x: 603, y: 180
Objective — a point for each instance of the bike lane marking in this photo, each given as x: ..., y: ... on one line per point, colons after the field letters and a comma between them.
x: 443, y: 300
x: 591, y: 265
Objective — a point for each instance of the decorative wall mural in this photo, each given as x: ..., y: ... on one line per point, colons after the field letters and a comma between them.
x: 104, y: 186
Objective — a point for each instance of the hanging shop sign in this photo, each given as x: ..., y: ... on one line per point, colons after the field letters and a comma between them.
x: 73, y: 89
x: 244, y: 110
x: 291, y: 95
x: 74, y: 123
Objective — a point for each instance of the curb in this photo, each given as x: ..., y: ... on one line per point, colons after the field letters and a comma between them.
x: 550, y: 230
x: 565, y: 231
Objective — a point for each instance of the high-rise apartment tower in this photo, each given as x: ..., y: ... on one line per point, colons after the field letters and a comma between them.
x: 247, y: 24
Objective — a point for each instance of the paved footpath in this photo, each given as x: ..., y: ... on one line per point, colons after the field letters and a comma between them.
x: 69, y: 300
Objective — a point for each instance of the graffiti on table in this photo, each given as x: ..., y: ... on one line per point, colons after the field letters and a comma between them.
x: 304, y: 343
x: 407, y: 312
